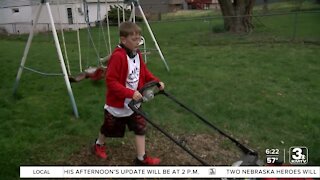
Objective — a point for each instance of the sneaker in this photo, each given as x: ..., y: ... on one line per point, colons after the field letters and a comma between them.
x: 148, y: 161
x: 100, y: 151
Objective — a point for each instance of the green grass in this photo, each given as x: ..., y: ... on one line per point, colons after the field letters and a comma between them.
x: 290, y: 26
x: 189, y: 14
x: 291, y: 5
x: 260, y: 91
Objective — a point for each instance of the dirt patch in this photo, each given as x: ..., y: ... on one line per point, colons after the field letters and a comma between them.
x: 214, y: 149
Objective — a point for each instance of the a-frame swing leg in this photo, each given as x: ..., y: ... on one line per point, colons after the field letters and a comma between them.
x: 152, y: 35
x: 63, y: 66
x: 26, y: 50
x: 56, y: 40
x: 132, y: 18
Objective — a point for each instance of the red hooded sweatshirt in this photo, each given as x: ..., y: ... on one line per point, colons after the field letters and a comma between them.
x: 116, y: 77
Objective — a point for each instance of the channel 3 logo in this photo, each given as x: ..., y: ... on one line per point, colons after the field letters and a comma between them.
x: 298, y: 155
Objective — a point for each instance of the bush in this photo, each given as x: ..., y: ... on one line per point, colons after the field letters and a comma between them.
x: 3, y: 31
x: 113, y: 16
x: 218, y: 28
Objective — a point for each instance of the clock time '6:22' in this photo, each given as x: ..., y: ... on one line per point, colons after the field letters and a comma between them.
x: 272, y: 151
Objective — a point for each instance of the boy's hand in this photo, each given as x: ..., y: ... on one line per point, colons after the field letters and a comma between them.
x: 136, y: 96
x: 161, y: 86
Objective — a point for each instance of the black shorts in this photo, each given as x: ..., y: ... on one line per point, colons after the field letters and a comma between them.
x: 116, y: 126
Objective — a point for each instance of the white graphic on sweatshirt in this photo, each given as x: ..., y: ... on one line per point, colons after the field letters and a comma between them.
x: 133, y: 72
x: 131, y: 83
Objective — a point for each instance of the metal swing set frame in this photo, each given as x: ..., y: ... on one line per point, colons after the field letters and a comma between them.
x: 134, y: 4
x: 60, y: 56
x: 66, y: 72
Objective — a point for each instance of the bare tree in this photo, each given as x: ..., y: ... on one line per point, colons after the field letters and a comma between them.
x: 237, y: 15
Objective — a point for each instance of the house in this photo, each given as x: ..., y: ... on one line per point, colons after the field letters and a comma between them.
x: 152, y: 8
x: 175, y: 5
x: 16, y: 16
x: 203, y: 4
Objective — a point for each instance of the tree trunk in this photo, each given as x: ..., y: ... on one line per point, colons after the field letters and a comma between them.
x: 237, y: 15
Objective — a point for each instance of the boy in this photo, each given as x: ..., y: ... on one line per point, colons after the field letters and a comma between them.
x: 126, y: 74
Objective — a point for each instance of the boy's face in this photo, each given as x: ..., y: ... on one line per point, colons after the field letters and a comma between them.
x: 131, y: 41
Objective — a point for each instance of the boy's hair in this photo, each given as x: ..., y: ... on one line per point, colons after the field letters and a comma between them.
x: 129, y: 28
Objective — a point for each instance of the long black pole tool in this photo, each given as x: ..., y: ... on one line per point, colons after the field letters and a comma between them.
x: 135, y: 109
x: 241, y: 146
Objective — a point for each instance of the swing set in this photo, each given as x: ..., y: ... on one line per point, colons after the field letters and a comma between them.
x: 94, y: 73
x: 97, y: 73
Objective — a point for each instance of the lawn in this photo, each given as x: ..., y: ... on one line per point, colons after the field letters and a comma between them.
x: 262, y: 91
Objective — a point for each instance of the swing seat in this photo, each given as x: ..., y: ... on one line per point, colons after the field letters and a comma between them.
x: 77, y: 78
x: 93, y: 73
x: 142, y: 41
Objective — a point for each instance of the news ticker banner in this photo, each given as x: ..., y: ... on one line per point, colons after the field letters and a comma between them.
x: 169, y: 172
